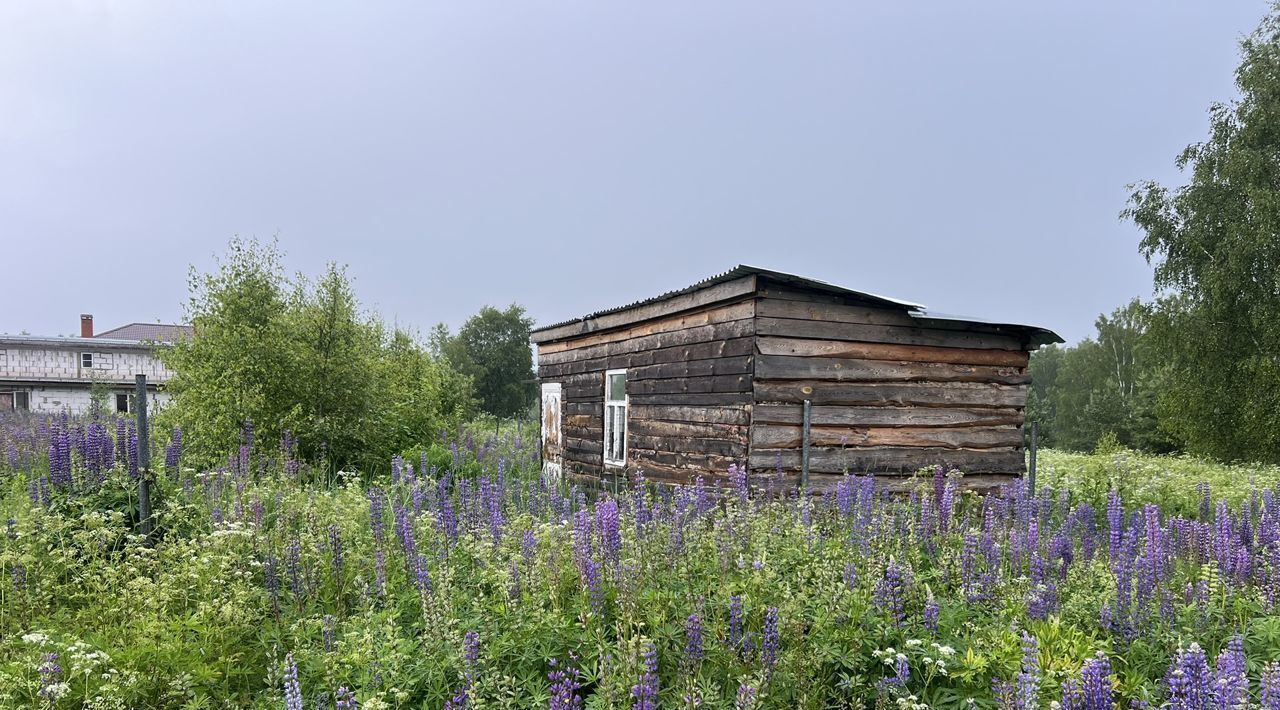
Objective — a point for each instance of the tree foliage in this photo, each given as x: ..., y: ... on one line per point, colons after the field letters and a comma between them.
x: 1215, y: 244
x: 492, y: 347
x: 1103, y: 385
x: 300, y: 356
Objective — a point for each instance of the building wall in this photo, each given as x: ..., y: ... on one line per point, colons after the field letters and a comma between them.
x: 688, y: 389
x: 76, y: 399
x: 63, y: 363
x: 887, y: 395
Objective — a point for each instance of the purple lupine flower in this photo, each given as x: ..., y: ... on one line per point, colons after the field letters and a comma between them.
x: 377, y: 513
x: 271, y: 578
x: 693, y: 641
x: 1230, y: 679
x: 173, y: 452
x: 131, y: 451
x: 1095, y: 681
x: 293, y: 564
x: 770, y: 639
x: 380, y: 572
x: 1028, y: 683
x: 738, y: 482
x: 345, y: 699
x: 1072, y: 695
x: 593, y: 581
x: 582, y: 539
x: 471, y: 654
x: 610, y: 535
x: 292, y: 690
x: 564, y: 688
x: 850, y: 576
x: 890, y: 593
x: 931, y: 614
x: 335, y: 549
x: 50, y: 678
x: 646, y: 691
x: 1115, y: 521
x: 19, y: 574
x: 529, y: 548
x: 746, y: 697
x: 1269, y: 695
x: 735, y: 622
x: 330, y: 633
x: 1188, y: 680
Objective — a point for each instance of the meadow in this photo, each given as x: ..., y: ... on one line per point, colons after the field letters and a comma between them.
x: 456, y: 577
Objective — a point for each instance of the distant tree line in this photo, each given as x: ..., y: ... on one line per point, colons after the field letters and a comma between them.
x: 1198, y: 368
x: 299, y: 355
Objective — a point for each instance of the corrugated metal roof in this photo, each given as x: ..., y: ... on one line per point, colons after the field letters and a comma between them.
x: 159, y: 332
x: 737, y: 272
x: 1038, y: 335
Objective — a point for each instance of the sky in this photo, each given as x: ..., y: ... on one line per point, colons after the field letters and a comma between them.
x: 575, y: 156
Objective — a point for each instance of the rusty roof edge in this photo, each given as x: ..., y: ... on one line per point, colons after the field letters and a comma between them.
x: 736, y: 272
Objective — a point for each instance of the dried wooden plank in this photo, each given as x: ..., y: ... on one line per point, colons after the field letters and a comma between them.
x: 579, y: 444
x: 810, y: 309
x: 678, y: 444
x: 702, y: 430
x: 691, y: 385
x: 892, y: 459
x: 892, y: 352
x: 925, y: 394
x: 690, y: 400
x: 794, y: 328
x: 595, y: 408
x: 587, y: 421
x: 825, y: 483
x: 785, y: 367
x: 710, y: 316
x: 696, y: 368
x: 658, y: 473
x: 778, y: 436
x: 707, y: 414
x: 733, y: 347
x: 689, y: 336
x: 700, y: 298
x: 886, y: 416
x: 709, y: 463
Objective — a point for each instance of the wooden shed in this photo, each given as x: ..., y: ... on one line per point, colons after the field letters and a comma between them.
x: 686, y: 383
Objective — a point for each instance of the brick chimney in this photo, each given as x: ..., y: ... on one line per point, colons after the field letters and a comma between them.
x: 86, y: 325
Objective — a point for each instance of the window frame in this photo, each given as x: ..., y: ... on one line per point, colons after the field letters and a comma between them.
x: 86, y: 365
x: 25, y: 397
x: 614, y: 404
x: 126, y: 403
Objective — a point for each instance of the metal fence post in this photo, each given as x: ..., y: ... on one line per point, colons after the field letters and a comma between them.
x: 804, y: 448
x: 1031, y: 471
x: 144, y: 458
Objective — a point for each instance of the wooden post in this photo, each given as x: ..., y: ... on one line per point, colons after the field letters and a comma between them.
x: 144, y: 458
x: 804, y: 447
x: 1031, y: 470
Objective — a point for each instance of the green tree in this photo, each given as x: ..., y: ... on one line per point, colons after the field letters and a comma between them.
x: 333, y: 378
x: 238, y: 365
x: 302, y: 356
x: 1216, y: 252
x: 492, y: 348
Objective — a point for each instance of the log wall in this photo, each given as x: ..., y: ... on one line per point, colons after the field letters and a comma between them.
x: 688, y: 386
x: 888, y: 396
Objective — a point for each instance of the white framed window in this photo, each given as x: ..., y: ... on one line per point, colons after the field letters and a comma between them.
x: 86, y: 361
x: 615, y: 417
x: 122, y: 403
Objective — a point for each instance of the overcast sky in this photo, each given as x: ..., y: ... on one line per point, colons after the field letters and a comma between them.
x: 573, y: 156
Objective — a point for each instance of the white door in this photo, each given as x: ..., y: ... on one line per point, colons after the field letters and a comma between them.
x: 552, y: 445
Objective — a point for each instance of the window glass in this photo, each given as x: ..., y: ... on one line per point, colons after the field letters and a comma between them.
x: 86, y: 360
x: 618, y: 387
x: 122, y: 403
x: 22, y: 400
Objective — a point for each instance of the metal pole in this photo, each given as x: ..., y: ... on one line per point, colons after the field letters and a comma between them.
x: 144, y: 458
x: 1031, y: 472
x: 804, y: 448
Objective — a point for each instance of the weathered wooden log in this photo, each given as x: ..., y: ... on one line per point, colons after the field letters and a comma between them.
x: 784, y: 367
x: 887, y: 416
x: 826, y: 347
x: 777, y: 436
x: 924, y: 394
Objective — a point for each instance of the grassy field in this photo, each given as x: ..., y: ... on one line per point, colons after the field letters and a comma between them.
x: 459, y: 579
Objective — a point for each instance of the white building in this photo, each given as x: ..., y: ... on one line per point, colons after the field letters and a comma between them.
x: 48, y: 374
